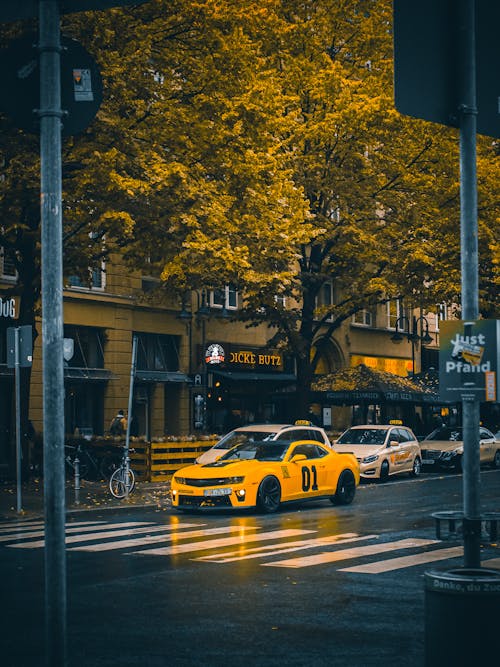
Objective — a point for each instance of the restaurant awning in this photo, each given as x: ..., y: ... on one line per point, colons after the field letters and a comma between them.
x: 362, y: 384
x: 90, y: 374
x: 161, y: 376
x: 251, y: 376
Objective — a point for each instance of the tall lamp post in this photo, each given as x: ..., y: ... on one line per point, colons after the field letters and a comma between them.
x: 202, y: 314
x: 410, y: 331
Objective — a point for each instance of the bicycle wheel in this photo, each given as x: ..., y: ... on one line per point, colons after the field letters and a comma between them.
x: 121, y: 484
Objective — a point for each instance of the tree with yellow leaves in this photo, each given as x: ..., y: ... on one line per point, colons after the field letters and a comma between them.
x: 255, y: 142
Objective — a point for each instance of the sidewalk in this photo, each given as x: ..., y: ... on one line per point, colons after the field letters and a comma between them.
x: 92, y: 496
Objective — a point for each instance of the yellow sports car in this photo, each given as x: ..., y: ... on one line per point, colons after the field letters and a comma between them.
x: 265, y: 475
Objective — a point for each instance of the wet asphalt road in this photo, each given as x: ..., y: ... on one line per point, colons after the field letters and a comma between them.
x: 241, y: 589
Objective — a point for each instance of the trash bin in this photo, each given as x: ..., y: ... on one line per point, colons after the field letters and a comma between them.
x: 462, y: 607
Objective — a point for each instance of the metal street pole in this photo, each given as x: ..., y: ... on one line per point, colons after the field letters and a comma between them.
x: 133, y: 366
x: 17, y: 379
x: 52, y: 332
x: 469, y: 268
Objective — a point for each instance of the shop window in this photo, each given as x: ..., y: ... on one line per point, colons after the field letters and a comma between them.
x: 84, y: 408
x: 88, y: 346
x: 226, y: 297
x: 156, y: 352
x: 85, y: 379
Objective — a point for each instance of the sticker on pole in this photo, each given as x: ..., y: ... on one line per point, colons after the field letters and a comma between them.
x: 82, y: 85
x: 469, y: 360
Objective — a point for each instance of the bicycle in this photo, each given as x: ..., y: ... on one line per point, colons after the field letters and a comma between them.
x: 89, y: 465
x: 122, y: 481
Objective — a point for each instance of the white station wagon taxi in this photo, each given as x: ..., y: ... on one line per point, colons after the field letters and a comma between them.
x: 382, y: 450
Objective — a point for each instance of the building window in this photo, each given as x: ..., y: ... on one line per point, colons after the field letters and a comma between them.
x: 395, y: 312
x: 325, y: 299
x: 441, y: 314
x: 363, y: 318
x: 7, y: 268
x: 280, y: 301
x: 156, y: 352
x: 227, y: 297
x: 96, y: 279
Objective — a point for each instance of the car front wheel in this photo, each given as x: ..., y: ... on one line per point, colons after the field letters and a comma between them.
x: 346, y: 489
x: 496, y: 460
x: 384, y: 471
x: 417, y: 467
x: 269, y: 495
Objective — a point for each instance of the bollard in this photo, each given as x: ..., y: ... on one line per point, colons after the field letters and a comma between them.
x: 77, y: 480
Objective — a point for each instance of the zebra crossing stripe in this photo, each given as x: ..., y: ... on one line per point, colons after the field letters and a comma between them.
x: 152, y: 539
x: 272, y: 550
x: 41, y: 532
x: 405, y: 561
x: 131, y: 528
x: 25, y: 525
x: 39, y: 525
x: 224, y: 542
x: 346, y: 554
x: 494, y: 563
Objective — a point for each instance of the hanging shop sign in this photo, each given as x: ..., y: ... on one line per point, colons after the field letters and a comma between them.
x: 214, y: 354
x: 8, y: 308
x: 233, y: 357
x: 469, y: 360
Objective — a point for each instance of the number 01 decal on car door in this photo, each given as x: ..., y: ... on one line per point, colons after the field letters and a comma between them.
x: 306, y: 478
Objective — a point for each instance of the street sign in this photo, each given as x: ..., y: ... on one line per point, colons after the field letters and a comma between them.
x: 469, y: 360
x: 427, y: 62
x: 25, y: 346
x: 13, y: 10
x: 81, y: 85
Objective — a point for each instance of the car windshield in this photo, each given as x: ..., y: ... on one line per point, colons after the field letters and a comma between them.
x: 239, y: 437
x: 363, y: 436
x: 446, y: 433
x: 269, y: 451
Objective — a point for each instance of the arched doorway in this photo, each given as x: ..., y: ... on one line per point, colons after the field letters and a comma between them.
x: 331, y: 357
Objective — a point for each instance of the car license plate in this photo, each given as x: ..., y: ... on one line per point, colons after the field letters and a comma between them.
x: 218, y: 492
x: 428, y: 462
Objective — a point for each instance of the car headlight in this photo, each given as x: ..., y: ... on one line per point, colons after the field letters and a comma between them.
x: 446, y: 456
x: 370, y: 459
x: 234, y: 480
x: 180, y: 480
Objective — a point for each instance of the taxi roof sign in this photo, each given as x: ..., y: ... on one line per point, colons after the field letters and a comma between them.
x: 13, y: 10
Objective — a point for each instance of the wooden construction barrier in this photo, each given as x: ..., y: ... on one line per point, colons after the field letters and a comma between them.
x: 167, y: 457
x: 139, y: 459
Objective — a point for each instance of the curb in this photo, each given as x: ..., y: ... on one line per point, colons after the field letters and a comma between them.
x: 93, y: 496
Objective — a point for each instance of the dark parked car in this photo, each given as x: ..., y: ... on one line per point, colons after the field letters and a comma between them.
x: 444, y: 448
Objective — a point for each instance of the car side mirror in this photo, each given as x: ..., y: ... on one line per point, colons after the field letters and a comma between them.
x: 393, y: 443
x: 298, y: 457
